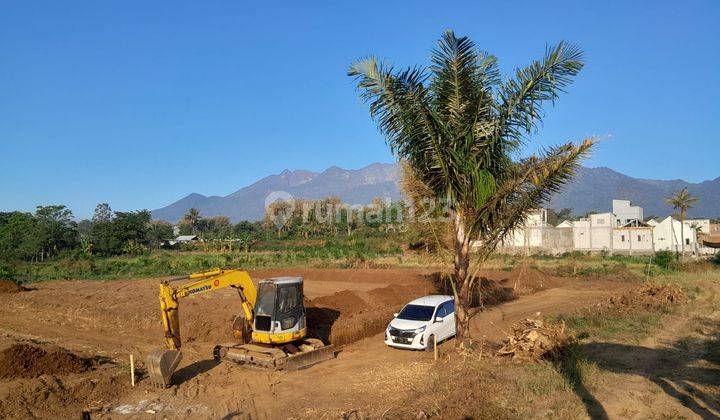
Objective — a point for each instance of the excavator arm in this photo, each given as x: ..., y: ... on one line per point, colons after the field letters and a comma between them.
x: 162, y: 363
x: 205, y: 281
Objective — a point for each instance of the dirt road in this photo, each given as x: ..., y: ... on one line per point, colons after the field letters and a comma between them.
x: 666, y: 373
x: 109, y: 320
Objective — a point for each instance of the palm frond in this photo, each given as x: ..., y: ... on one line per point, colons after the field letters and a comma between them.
x: 400, y: 104
x: 534, y: 182
x: 521, y: 98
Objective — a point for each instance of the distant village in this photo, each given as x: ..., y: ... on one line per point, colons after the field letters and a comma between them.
x: 624, y: 230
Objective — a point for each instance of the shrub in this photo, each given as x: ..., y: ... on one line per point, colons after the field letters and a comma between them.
x: 664, y: 259
x: 6, y: 272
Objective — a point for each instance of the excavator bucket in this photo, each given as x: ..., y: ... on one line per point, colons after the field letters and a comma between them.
x: 293, y: 356
x: 161, y: 365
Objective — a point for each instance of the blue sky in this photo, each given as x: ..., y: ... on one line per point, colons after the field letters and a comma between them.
x: 140, y: 103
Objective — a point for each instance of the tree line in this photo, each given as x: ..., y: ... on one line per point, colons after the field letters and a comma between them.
x: 52, y: 231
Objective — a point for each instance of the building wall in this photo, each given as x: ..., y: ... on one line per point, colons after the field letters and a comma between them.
x: 631, y: 239
x: 703, y: 224
x: 529, y: 235
x: 624, y: 212
x: 594, y: 233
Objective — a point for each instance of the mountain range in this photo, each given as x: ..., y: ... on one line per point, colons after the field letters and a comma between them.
x: 591, y: 190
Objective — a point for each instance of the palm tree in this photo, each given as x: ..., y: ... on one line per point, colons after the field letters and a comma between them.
x: 682, y: 201
x: 460, y: 127
x: 192, y: 218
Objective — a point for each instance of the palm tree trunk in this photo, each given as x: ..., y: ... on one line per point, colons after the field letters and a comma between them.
x: 682, y: 231
x: 461, y: 281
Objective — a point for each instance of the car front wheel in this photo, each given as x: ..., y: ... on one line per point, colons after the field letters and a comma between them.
x: 430, y: 345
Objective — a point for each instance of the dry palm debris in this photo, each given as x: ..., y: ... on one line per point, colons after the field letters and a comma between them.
x: 534, y: 339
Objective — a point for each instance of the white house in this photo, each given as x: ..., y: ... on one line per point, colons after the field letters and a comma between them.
x: 635, y: 236
x: 594, y: 233
x: 186, y: 238
x: 668, y: 233
x: 702, y: 224
x: 565, y: 224
x: 529, y: 235
x: 625, y: 212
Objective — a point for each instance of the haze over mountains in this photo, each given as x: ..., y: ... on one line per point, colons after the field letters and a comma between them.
x: 591, y: 190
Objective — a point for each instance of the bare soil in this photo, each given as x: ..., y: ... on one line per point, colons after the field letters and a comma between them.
x: 28, y: 361
x: 9, y: 286
x: 348, y: 308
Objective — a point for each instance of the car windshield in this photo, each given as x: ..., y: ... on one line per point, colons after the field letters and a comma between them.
x: 416, y: 312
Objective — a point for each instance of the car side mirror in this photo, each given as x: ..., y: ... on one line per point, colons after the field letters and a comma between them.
x: 438, y: 319
x: 395, y: 315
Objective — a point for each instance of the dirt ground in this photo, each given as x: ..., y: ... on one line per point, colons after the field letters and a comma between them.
x: 100, y: 323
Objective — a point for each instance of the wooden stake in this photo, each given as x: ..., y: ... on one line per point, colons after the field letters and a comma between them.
x: 435, y: 346
x: 132, y: 370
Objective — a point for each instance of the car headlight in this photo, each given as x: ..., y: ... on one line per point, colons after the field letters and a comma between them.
x: 419, y: 330
x: 287, y: 323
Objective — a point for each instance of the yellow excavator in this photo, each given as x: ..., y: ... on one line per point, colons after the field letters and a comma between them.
x: 272, y: 334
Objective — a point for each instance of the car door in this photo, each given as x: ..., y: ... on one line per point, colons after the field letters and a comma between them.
x: 449, y: 319
x: 439, y: 328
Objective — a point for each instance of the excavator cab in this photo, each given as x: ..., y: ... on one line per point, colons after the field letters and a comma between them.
x: 279, y: 311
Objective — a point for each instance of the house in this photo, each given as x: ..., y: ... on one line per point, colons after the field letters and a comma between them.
x: 625, y: 212
x: 634, y: 236
x: 186, y: 238
x: 565, y: 224
x: 700, y: 225
x: 668, y: 233
x: 529, y: 235
x: 622, y: 230
x: 594, y: 233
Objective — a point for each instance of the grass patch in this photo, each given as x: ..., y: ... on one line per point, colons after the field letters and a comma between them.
x: 540, y: 380
x: 170, y: 263
x: 602, y: 326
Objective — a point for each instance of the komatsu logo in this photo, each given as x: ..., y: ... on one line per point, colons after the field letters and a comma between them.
x: 199, y: 289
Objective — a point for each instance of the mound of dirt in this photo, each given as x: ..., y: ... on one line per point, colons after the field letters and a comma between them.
x: 9, y: 286
x: 533, y: 339
x: 648, y: 296
x: 494, y: 287
x: 348, y: 316
x: 26, y: 361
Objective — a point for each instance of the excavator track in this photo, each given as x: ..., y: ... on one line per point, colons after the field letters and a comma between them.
x: 292, y: 356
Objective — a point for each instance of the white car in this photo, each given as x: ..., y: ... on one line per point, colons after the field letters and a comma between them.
x: 421, y: 322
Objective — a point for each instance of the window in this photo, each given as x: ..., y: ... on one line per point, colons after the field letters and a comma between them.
x: 265, y: 304
x: 416, y: 312
x: 288, y: 299
x: 450, y: 307
x: 447, y: 308
x: 687, y: 241
x: 622, y: 238
x: 639, y: 238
